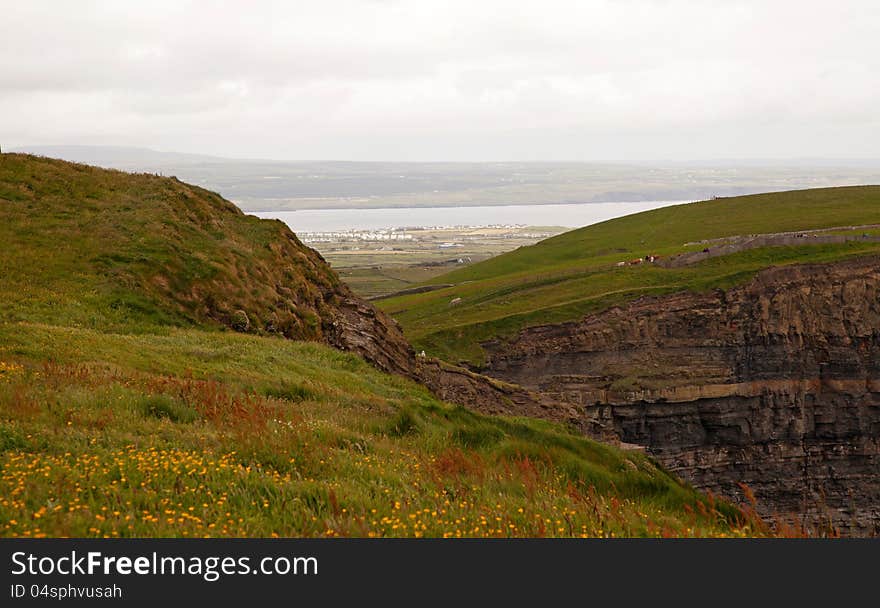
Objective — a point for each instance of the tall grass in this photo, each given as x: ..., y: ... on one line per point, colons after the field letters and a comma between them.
x: 98, y: 438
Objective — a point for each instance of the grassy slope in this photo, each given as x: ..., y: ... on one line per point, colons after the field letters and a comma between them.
x: 141, y: 419
x: 573, y: 274
x: 90, y: 247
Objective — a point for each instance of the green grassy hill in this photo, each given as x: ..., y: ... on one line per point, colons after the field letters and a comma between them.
x: 573, y: 274
x: 90, y: 247
x: 128, y: 408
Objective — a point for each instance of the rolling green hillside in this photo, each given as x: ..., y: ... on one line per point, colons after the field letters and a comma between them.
x: 576, y: 273
x: 128, y: 408
x: 97, y: 248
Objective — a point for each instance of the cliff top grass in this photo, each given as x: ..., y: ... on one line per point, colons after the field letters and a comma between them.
x: 568, y: 276
x: 125, y: 411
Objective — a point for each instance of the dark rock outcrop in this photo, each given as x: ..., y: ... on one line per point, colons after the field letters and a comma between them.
x: 495, y: 397
x: 775, y: 385
x: 358, y: 327
x: 354, y: 325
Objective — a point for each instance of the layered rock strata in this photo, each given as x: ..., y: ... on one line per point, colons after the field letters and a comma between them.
x: 774, y: 385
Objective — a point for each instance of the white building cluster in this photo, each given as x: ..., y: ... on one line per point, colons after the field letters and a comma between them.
x: 355, y: 235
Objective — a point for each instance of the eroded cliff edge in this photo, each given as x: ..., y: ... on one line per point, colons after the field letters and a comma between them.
x: 354, y: 325
x: 775, y: 385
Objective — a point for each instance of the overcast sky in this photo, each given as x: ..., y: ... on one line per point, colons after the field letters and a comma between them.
x: 446, y: 80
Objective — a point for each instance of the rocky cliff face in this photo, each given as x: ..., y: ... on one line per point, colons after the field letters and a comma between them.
x: 775, y: 385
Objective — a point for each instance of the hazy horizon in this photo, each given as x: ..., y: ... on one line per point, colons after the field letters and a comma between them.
x: 278, y: 185
x: 63, y: 148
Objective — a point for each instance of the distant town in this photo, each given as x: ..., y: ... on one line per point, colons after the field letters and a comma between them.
x: 378, y: 262
x: 507, y: 231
